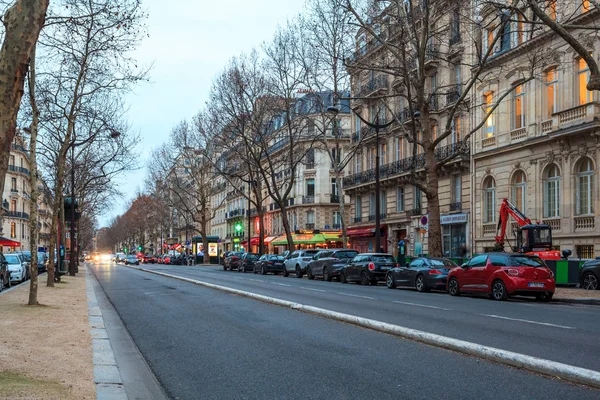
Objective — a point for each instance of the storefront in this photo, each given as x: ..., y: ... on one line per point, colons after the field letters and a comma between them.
x: 454, y: 234
x: 310, y: 240
x: 363, y: 238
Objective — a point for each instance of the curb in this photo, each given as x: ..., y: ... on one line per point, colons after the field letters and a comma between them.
x: 107, y: 377
x: 546, y: 367
x: 594, y: 302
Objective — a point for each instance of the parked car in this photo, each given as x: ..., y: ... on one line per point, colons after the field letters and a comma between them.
x: 422, y: 273
x: 4, y: 273
x: 247, y: 262
x: 269, y: 263
x: 148, y: 259
x: 26, y: 257
x: 131, y: 259
x: 233, y: 260
x: 368, y: 268
x: 224, y: 256
x: 589, y: 275
x: 329, y: 263
x: 42, y: 261
x: 17, y: 267
x: 297, y: 262
x: 120, y: 257
x: 501, y: 275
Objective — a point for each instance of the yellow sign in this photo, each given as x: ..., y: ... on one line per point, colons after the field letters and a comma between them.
x: 212, y: 249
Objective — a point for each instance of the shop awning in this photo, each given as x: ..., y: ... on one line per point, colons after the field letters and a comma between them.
x: 269, y: 239
x: 364, y: 231
x: 175, y: 246
x: 8, y: 242
x: 332, y: 236
x: 309, y: 238
x: 254, y: 241
x: 280, y: 241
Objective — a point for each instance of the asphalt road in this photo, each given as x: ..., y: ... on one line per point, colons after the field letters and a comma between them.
x: 205, y: 344
x: 558, y: 332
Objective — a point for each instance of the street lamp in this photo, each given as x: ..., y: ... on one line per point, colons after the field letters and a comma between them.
x: 377, y: 126
x: 72, y: 263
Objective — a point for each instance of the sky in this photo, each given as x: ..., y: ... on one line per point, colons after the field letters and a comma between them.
x: 189, y: 43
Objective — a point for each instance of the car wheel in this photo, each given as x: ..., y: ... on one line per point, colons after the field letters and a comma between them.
x: 389, y: 281
x: 309, y: 274
x: 499, y: 290
x: 545, y: 297
x: 262, y: 271
x: 453, y: 287
x: 420, y: 284
x: 364, y: 278
x: 254, y: 271
x: 1, y: 283
x: 589, y: 281
x: 343, y: 277
x: 298, y: 272
x: 326, y: 276
x: 285, y: 272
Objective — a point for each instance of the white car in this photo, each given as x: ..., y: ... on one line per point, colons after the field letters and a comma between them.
x: 17, y: 267
x: 297, y: 262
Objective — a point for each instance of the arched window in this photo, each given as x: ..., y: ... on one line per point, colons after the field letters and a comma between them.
x: 585, y: 187
x: 519, y: 189
x: 552, y: 192
x: 489, y: 200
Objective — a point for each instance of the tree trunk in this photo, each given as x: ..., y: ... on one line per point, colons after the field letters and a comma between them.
x: 433, y: 205
x: 286, y: 227
x: 203, y: 224
x: 340, y: 190
x: 23, y: 22
x: 261, y: 233
x: 33, y: 212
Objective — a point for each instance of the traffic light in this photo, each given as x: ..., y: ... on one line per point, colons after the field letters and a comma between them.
x: 140, y: 248
x: 238, y: 227
x: 125, y: 250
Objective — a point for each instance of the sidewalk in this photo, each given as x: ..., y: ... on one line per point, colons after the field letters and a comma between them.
x: 577, y: 296
x: 46, y: 350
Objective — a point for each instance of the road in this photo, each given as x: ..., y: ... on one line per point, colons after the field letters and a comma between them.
x: 202, y: 343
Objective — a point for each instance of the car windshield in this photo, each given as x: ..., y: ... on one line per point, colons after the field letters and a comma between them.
x: 275, y: 257
x: 309, y: 253
x: 442, y: 263
x: 252, y: 256
x: 12, y: 258
x: 527, y: 261
x: 383, y: 259
x: 346, y: 254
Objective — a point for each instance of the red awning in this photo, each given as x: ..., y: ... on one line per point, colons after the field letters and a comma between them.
x: 254, y: 241
x: 363, y: 231
x: 8, y: 242
x: 175, y: 246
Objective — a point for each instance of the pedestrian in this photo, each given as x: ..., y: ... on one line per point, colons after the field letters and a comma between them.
x: 463, y: 250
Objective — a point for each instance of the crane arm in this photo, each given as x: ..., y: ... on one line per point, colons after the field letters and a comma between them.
x: 507, y: 208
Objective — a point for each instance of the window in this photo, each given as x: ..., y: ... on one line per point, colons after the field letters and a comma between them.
x: 310, y: 187
x: 585, y: 251
x: 13, y: 205
x: 400, y: 199
x: 456, y: 188
x: 12, y: 160
x: 583, y: 74
x: 418, y: 198
x: 372, y: 204
x: 383, y: 202
x: 488, y: 100
x: 336, y: 219
x: 371, y: 157
x: 382, y: 154
x: 585, y: 187
x: 552, y: 192
x: 478, y: 261
x: 456, y: 135
x: 457, y: 78
x: 399, y: 148
x: 519, y: 188
x: 358, y: 163
x: 13, y: 185
x: 488, y: 39
x: 357, y: 123
x: 336, y: 156
x: 519, y: 107
x: 518, y: 31
x: 310, y: 159
x: 13, y: 230
x: 455, y: 26
x: 357, y: 207
x: 334, y: 188
x: 551, y: 92
x: 310, y: 217
x: 489, y: 200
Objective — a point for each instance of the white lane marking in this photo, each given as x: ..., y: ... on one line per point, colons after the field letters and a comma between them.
x: 316, y: 290
x: 421, y: 305
x: 255, y: 280
x: 280, y: 284
x: 354, y: 295
x: 528, y: 321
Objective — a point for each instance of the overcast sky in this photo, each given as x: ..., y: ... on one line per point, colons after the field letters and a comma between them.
x: 190, y: 42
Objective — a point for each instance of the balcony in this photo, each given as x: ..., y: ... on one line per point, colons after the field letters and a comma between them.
x: 415, y: 212
x: 489, y: 229
x: 488, y: 142
x: 310, y: 165
x: 373, y: 86
x: 452, y: 96
x: 455, y: 206
x: 336, y: 226
x: 553, y: 223
x: 585, y: 113
x: 21, y: 170
x: 17, y: 214
x: 334, y: 198
x: 308, y: 199
x: 18, y: 147
x: 584, y: 223
x: 357, y: 220
x: 382, y: 216
x: 14, y: 192
x: 517, y: 134
x: 240, y: 212
x: 455, y: 38
x: 310, y: 226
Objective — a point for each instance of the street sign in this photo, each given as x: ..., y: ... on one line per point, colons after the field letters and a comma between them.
x: 424, y: 220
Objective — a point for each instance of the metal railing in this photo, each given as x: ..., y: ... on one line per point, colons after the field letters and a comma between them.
x: 14, y: 168
x: 17, y: 214
x: 357, y: 219
x: 334, y: 198
x: 310, y: 226
x: 308, y: 199
x: 456, y: 206
x: 414, y: 212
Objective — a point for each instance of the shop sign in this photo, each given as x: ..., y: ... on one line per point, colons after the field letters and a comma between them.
x: 454, y: 219
x: 236, y: 240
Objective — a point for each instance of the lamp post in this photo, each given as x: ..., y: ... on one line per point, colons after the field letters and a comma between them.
x: 72, y: 262
x: 377, y: 126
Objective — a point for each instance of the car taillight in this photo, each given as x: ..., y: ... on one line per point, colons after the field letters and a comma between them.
x: 550, y: 273
x: 371, y: 267
x: 397, y: 265
x: 435, y: 272
x: 512, y: 272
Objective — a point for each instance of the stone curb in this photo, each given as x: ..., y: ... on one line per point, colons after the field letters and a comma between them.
x: 589, y: 301
x: 546, y: 367
x: 107, y: 378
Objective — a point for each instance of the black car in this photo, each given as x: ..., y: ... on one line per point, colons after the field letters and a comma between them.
x: 233, y: 260
x: 368, y: 268
x: 329, y: 263
x: 422, y: 273
x: 589, y: 275
x: 4, y: 273
x: 132, y: 259
x: 247, y: 261
x: 224, y: 256
x: 269, y: 263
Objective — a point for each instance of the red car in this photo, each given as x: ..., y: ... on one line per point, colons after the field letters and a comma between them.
x: 148, y: 259
x: 501, y: 275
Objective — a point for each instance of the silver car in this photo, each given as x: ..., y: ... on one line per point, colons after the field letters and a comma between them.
x: 17, y: 267
x: 297, y: 261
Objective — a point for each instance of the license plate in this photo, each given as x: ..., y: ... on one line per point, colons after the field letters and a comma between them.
x: 278, y: 264
x: 535, y: 284
x: 384, y: 268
